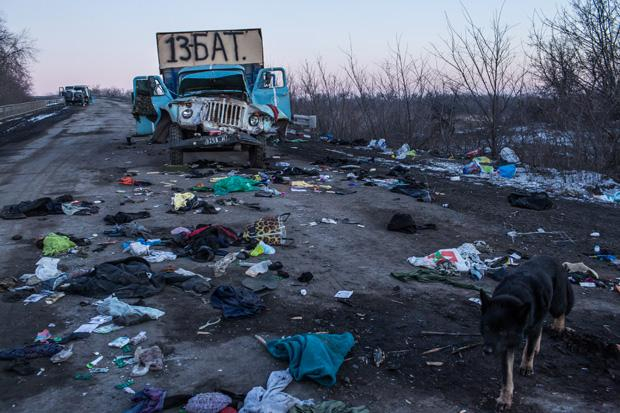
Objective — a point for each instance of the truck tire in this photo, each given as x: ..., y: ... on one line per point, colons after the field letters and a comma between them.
x: 175, y: 135
x: 282, y: 126
x: 162, y: 130
x: 257, y: 155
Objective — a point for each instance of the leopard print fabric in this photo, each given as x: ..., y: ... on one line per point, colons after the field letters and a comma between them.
x: 270, y: 230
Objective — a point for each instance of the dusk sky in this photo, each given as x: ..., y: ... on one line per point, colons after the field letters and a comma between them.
x: 108, y: 42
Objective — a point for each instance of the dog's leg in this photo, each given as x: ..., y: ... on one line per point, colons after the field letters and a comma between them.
x: 559, y: 323
x: 504, y: 401
x: 529, y: 351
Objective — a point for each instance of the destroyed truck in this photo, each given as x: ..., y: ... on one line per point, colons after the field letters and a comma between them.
x: 213, y: 93
x: 75, y: 95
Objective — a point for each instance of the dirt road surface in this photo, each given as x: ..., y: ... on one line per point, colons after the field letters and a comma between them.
x: 85, y: 154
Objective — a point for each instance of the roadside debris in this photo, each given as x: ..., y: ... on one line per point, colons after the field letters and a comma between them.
x: 538, y: 201
x: 313, y: 356
x: 125, y: 217
x: 426, y: 275
x: 405, y: 223
x: 236, y: 302
x: 465, y: 258
x: 273, y: 398
x: 47, y: 206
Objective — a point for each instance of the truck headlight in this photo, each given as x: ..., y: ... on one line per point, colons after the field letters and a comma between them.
x: 187, y: 113
x: 253, y: 120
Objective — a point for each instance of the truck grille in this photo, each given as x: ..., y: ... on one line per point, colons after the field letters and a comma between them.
x: 224, y: 114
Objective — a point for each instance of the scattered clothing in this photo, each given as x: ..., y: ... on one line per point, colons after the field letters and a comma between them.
x: 149, y: 400
x: 538, y: 201
x: 305, y: 277
x: 234, y: 184
x: 141, y: 248
x: 31, y: 351
x: 329, y: 406
x: 413, y: 190
x: 130, y: 230
x: 130, y: 181
x: 186, y: 201
x: 125, y: 217
x: 405, y: 223
x: 202, y: 243
x: 208, y: 403
x: 126, y: 278
x: 426, y: 275
x: 313, y: 356
x: 272, y: 399
x: 116, y: 308
x: 261, y: 282
x: 38, y: 207
x: 47, y: 269
x: 151, y: 358
x: 236, y: 302
x: 54, y: 244
x: 79, y: 208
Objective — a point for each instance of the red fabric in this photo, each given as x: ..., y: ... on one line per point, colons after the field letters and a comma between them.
x: 229, y: 410
x: 127, y: 180
x: 276, y: 112
x: 225, y: 230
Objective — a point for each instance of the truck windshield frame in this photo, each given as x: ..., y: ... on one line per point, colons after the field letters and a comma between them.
x: 195, y: 84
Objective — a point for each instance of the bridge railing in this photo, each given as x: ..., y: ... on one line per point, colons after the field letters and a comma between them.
x: 27, y: 108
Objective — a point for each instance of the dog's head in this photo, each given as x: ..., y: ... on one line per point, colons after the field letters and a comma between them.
x: 502, y: 323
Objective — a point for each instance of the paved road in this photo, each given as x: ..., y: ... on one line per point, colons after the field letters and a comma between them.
x: 85, y: 155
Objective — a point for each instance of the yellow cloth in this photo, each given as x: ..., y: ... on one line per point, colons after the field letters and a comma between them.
x: 180, y: 199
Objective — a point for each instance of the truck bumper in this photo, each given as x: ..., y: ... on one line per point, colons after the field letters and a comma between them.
x: 216, y: 142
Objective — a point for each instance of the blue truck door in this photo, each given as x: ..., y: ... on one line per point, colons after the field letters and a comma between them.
x: 271, y: 88
x: 150, y: 96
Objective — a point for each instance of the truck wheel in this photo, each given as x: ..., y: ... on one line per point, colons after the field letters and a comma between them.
x: 257, y: 155
x: 175, y: 136
x: 162, y: 130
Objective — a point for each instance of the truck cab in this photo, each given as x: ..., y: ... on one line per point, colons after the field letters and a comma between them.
x: 212, y: 107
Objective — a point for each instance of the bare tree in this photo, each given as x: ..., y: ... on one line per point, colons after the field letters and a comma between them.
x: 481, y: 65
x: 577, y: 60
x: 16, y: 52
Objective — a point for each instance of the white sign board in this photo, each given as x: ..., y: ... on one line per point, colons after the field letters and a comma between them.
x: 237, y: 47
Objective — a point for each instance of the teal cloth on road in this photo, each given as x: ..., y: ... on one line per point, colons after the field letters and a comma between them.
x: 235, y: 184
x: 313, y: 356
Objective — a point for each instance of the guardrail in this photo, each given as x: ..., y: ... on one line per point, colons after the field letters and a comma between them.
x: 26, y: 108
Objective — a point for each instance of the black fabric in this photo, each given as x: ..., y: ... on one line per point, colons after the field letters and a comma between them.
x: 202, y: 243
x: 126, y: 278
x: 305, y: 277
x: 31, y: 351
x: 38, y: 207
x: 405, y: 223
x: 236, y: 302
x: 296, y: 171
x: 125, y: 217
x: 131, y: 277
x: 538, y: 201
x: 414, y: 191
x: 192, y: 283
